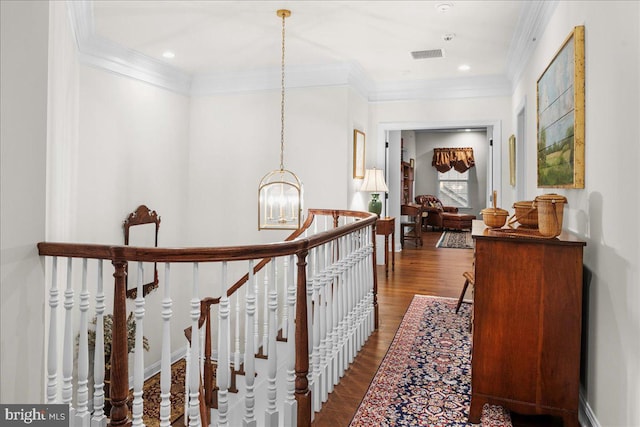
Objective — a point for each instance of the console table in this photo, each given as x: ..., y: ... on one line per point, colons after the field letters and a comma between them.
x: 527, y: 324
x: 387, y: 226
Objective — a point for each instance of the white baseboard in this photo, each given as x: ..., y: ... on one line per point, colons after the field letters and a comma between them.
x: 585, y: 414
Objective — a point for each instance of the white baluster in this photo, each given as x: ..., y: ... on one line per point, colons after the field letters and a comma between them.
x: 349, y: 300
x: 82, y: 414
x: 222, y: 377
x: 290, y: 403
x: 165, y: 358
x: 67, y: 349
x: 99, y: 418
x: 138, y: 361
x: 265, y: 310
x: 337, y: 272
x: 323, y: 322
x: 249, y: 419
x: 187, y: 380
x: 310, y: 332
x: 358, y: 291
x: 337, y: 312
x: 345, y: 303
x: 52, y: 349
x: 352, y: 298
x: 271, y: 413
x: 370, y: 262
x: 285, y: 288
x: 194, y: 366
x: 316, y: 331
x: 330, y: 350
x: 256, y: 321
x: 236, y: 353
x: 341, y: 305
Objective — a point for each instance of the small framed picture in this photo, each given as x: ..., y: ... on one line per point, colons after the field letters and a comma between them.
x: 358, y: 154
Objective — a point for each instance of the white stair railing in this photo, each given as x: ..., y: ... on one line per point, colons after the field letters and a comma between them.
x: 322, y: 276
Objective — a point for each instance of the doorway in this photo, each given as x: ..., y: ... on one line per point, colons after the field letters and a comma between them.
x: 390, y: 136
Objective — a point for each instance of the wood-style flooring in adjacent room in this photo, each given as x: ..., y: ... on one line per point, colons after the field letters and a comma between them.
x: 425, y: 270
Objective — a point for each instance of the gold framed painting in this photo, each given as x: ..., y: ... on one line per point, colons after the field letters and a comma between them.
x: 560, y: 116
x: 358, y: 154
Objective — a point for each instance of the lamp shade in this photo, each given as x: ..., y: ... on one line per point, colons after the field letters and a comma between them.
x: 374, y: 181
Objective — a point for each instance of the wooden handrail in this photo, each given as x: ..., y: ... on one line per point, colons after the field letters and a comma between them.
x: 294, y: 245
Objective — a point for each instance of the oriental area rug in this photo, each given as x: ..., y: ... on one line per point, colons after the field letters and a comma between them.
x: 456, y: 240
x: 425, y: 378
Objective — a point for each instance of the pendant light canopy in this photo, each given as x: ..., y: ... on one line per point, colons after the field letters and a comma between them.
x: 280, y: 191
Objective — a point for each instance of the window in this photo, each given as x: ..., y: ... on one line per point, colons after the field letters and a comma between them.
x: 453, y: 188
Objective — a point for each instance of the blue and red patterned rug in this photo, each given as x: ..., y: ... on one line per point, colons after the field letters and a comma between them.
x: 425, y: 378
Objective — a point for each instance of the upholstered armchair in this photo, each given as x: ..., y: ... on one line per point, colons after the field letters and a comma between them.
x: 432, y: 211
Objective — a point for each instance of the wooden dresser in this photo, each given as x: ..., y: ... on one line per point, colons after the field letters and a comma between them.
x: 526, y: 327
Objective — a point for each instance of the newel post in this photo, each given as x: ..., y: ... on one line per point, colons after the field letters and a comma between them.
x: 303, y: 394
x: 119, y: 390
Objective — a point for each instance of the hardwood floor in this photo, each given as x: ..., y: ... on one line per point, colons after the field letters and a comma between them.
x: 425, y: 270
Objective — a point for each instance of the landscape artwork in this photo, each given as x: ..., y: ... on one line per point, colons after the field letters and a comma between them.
x: 560, y: 98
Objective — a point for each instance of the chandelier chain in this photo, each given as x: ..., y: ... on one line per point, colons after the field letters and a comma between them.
x: 282, y: 100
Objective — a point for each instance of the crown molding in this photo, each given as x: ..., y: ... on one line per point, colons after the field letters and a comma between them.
x: 105, y: 54
x: 338, y: 74
x: 470, y: 87
x: 533, y: 19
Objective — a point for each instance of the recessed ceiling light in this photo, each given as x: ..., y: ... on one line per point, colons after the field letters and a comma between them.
x: 168, y: 54
x: 467, y: 130
x: 464, y: 67
x: 444, y: 7
x: 448, y: 37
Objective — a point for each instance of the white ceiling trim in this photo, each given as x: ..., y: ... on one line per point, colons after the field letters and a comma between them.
x: 532, y: 22
x: 470, y: 87
x: 339, y: 74
x: 107, y: 55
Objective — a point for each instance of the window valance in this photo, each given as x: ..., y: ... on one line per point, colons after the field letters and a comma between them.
x: 461, y: 159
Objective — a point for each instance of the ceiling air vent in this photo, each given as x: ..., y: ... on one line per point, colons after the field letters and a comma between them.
x: 426, y: 54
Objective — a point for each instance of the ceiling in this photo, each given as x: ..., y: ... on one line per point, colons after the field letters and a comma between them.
x: 374, y: 38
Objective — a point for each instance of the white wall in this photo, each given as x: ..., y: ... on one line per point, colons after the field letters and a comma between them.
x: 23, y: 99
x: 132, y: 150
x: 235, y: 141
x: 358, y: 109
x: 611, y: 357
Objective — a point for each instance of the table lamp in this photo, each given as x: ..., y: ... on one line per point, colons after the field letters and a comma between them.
x: 374, y: 183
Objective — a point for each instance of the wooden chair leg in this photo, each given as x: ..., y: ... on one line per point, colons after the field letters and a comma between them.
x: 464, y: 291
